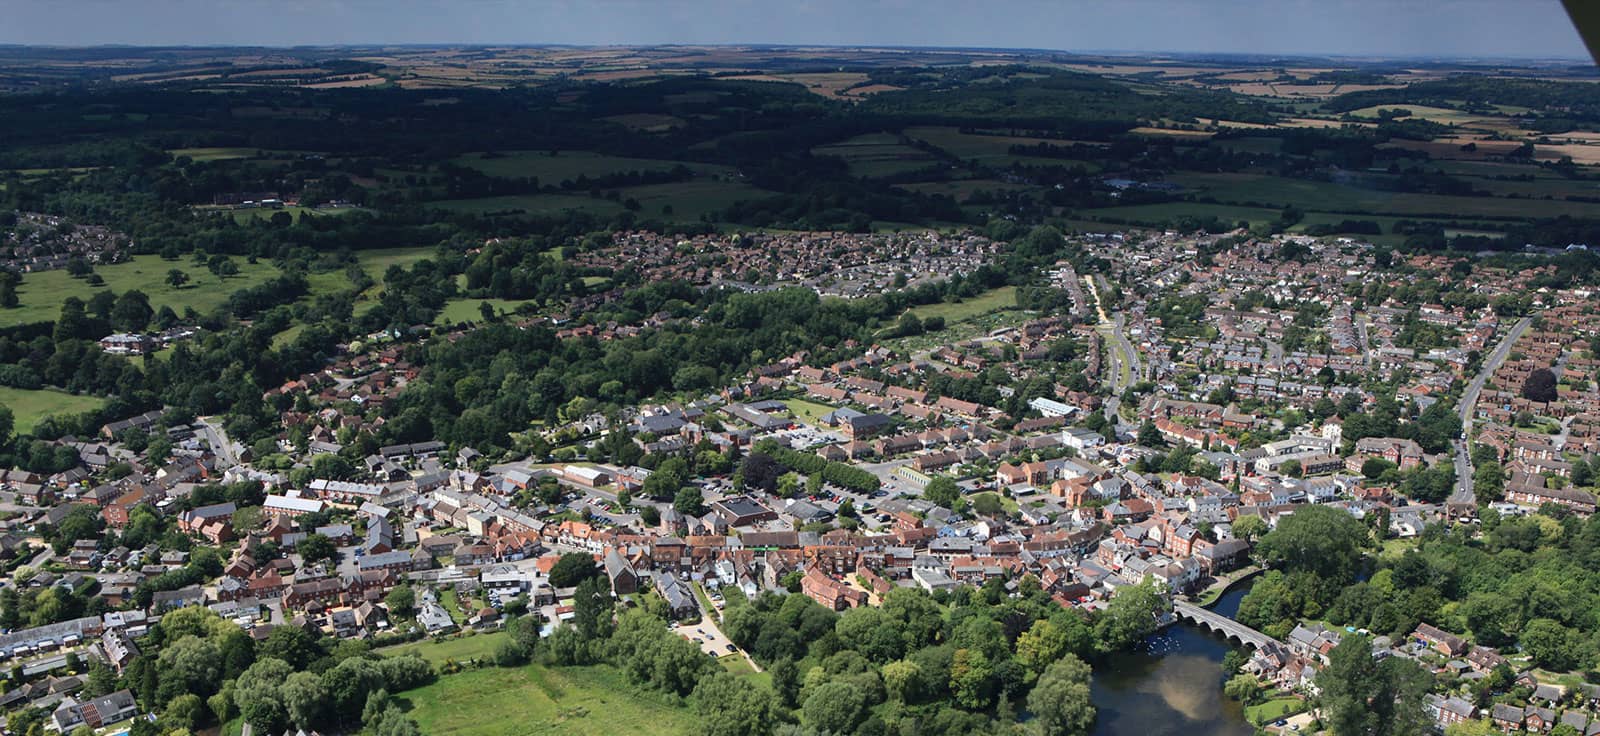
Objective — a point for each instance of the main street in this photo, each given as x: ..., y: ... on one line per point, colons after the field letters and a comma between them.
x: 1468, y: 407
x: 1122, y: 360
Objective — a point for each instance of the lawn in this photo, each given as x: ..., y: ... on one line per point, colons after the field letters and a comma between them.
x: 1272, y: 710
x: 31, y: 406
x: 809, y: 412
x: 1006, y: 502
x: 467, y: 310
x: 42, y: 292
x: 993, y: 300
x: 378, y: 260
x: 573, y: 701
x: 460, y: 649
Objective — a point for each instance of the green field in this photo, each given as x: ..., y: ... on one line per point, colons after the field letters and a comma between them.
x: 689, y: 200
x: 215, y: 154
x: 466, y: 310
x: 532, y: 204
x: 295, y: 211
x: 1272, y: 710
x: 460, y: 649
x: 31, y: 406
x: 877, y: 154
x: 1004, y: 297
x: 569, y: 165
x: 42, y: 292
x: 964, y: 189
x: 809, y: 412
x: 1276, y: 191
x: 992, y: 150
x: 572, y: 701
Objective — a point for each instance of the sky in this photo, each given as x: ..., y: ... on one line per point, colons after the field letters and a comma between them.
x: 1389, y: 28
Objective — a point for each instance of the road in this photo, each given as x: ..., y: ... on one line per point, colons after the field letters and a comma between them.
x: 1123, y: 360
x: 217, y: 438
x: 1468, y: 407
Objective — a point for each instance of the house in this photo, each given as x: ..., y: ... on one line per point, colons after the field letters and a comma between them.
x: 621, y: 573
x: 192, y: 521
x: 1507, y: 718
x: 832, y: 594
x: 1445, y: 642
x: 680, y: 601
x: 1450, y: 711
x: 103, y: 711
x: 289, y: 507
x: 128, y: 344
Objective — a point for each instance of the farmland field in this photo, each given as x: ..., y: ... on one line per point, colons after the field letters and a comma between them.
x: 573, y: 701
x: 265, y: 213
x: 42, y: 292
x: 689, y: 200
x: 877, y: 154
x: 566, y: 165
x: 1330, y: 197
x: 533, y: 204
x: 28, y: 407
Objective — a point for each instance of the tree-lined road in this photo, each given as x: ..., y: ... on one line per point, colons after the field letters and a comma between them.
x: 1468, y: 408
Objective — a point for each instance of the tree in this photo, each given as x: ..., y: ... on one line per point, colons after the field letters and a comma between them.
x: 185, y: 712
x: 1130, y: 618
x: 1291, y: 468
x: 573, y: 568
x: 902, y: 680
x: 1048, y: 641
x: 255, y: 693
x: 401, y: 600
x: 834, y: 707
x: 786, y: 682
x: 1540, y: 386
x: 1149, y: 436
x: 177, y: 277
x: 1243, y: 688
x: 591, y: 605
x: 943, y: 491
x: 316, y: 547
x: 131, y: 312
x: 1551, y: 645
x: 1061, y: 702
x: 689, y: 501
x: 190, y: 664
x: 304, y: 698
x: 1249, y: 527
x: 1361, y: 696
x: 729, y: 705
x: 1321, y: 540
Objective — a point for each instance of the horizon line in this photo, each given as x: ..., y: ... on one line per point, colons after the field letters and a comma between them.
x: 754, y: 44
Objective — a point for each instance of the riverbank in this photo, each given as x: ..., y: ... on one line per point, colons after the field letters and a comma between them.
x: 1230, y: 581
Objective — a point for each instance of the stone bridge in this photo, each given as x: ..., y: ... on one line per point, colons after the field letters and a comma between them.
x: 1219, y: 624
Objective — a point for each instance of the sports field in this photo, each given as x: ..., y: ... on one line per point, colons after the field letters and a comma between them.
x: 571, y: 701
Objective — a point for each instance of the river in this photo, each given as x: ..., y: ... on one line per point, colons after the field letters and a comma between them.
x: 1173, y: 687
